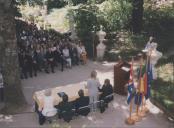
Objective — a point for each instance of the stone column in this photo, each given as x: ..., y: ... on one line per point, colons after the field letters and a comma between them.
x: 8, y: 55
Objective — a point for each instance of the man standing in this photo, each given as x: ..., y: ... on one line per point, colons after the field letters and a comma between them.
x: 50, y: 60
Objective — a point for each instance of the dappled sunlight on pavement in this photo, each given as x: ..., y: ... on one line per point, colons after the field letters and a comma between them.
x: 113, y: 117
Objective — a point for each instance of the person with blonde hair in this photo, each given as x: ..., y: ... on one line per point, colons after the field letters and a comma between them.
x: 48, y: 107
x: 92, y: 85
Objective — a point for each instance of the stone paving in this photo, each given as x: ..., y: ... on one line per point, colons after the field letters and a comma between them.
x: 113, y: 117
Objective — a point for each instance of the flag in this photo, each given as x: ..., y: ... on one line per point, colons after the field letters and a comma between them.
x: 149, y: 79
x: 131, y: 88
x: 142, y: 77
x: 130, y: 92
x: 145, y: 82
x: 138, y: 98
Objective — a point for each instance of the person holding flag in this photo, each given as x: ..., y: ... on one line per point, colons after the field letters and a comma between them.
x: 131, y: 93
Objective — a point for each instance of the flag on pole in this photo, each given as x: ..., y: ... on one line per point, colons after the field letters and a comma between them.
x: 138, y: 98
x: 142, y: 79
x: 131, y: 88
x: 149, y: 79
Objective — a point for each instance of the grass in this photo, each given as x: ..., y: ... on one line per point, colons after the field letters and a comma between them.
x: 163, y: 87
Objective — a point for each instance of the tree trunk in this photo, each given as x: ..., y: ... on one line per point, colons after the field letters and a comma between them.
x: 137, y: 16
x: 8, y: 56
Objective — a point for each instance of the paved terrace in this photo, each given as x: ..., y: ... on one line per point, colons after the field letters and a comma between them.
x: 113, y: 117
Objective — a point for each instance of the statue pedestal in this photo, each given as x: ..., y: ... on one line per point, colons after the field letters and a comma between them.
x: 100, y: 51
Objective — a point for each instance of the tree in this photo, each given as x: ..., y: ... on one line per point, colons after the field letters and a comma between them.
x: 9, y: 56
x: 137, y: 16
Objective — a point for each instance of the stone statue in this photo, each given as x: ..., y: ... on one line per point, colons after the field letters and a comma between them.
x: 101, y: 47
x: 151, y: 50
x: 154, y: 57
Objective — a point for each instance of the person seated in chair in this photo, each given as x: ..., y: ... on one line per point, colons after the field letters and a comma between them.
x: 106, y: 90
x: 64, y: 109
x: 81, y: 104
x: 48, y: 107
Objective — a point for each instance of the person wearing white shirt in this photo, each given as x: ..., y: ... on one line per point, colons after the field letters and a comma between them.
x: 83, y: 50
x: 92, y: 85
x: 67, y: 56
x: 79, y: 51
x: 48, y: 107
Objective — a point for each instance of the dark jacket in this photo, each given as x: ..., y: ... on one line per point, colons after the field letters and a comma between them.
x: 106, y: 90
x: 49, y: 56
x: 81, y: 102
x: 65, y: 110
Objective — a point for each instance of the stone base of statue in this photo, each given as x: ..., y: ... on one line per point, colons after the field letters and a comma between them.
x: 100, y: 51
x: 129, y: 121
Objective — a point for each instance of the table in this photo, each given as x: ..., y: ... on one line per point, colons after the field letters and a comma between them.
x: 70, y: 90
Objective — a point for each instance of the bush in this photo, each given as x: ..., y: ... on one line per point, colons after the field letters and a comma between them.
x: 56, y: 4
x: 117, y: 14
x: 114, y: 15
x: 85, y: 19
x: 159, y: 22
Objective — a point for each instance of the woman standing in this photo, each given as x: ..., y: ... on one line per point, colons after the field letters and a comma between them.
x: 92, y: 85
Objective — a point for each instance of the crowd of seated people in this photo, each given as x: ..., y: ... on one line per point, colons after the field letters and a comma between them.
x: 67, y: 109
x: 42, y: 50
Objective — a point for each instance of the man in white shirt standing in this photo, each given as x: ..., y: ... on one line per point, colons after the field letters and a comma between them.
x: 92, y: 85
x: 1, y: 87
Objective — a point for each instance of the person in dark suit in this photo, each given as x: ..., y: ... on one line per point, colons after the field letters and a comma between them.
x: 81, y: 102
x: 29, y: 63
x: 50, y: 60
x: 106, y: 90
x: 35, y: 63
x: 64, y: 109
x: 75, y: 59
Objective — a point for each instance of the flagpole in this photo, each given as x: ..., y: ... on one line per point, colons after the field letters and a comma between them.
x: 132, y: 80
x: 143, y: 112
x: 136, y: 117
x: 146, y: 110
x: 129, y: 120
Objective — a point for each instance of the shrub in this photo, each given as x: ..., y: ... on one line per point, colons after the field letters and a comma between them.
x: 159, y: 22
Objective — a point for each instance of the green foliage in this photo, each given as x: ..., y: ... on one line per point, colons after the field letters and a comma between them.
x: 16, y: 10
x: 165, y: 60
x: 166, y: 103
x: 164, y: 87
x: 160, y: 23
x: 117, y: 14
x: 139, y: 41
x: 114, y: 15
x: 76, y: 2
x: 56, y: 4
x: 85, y: 19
